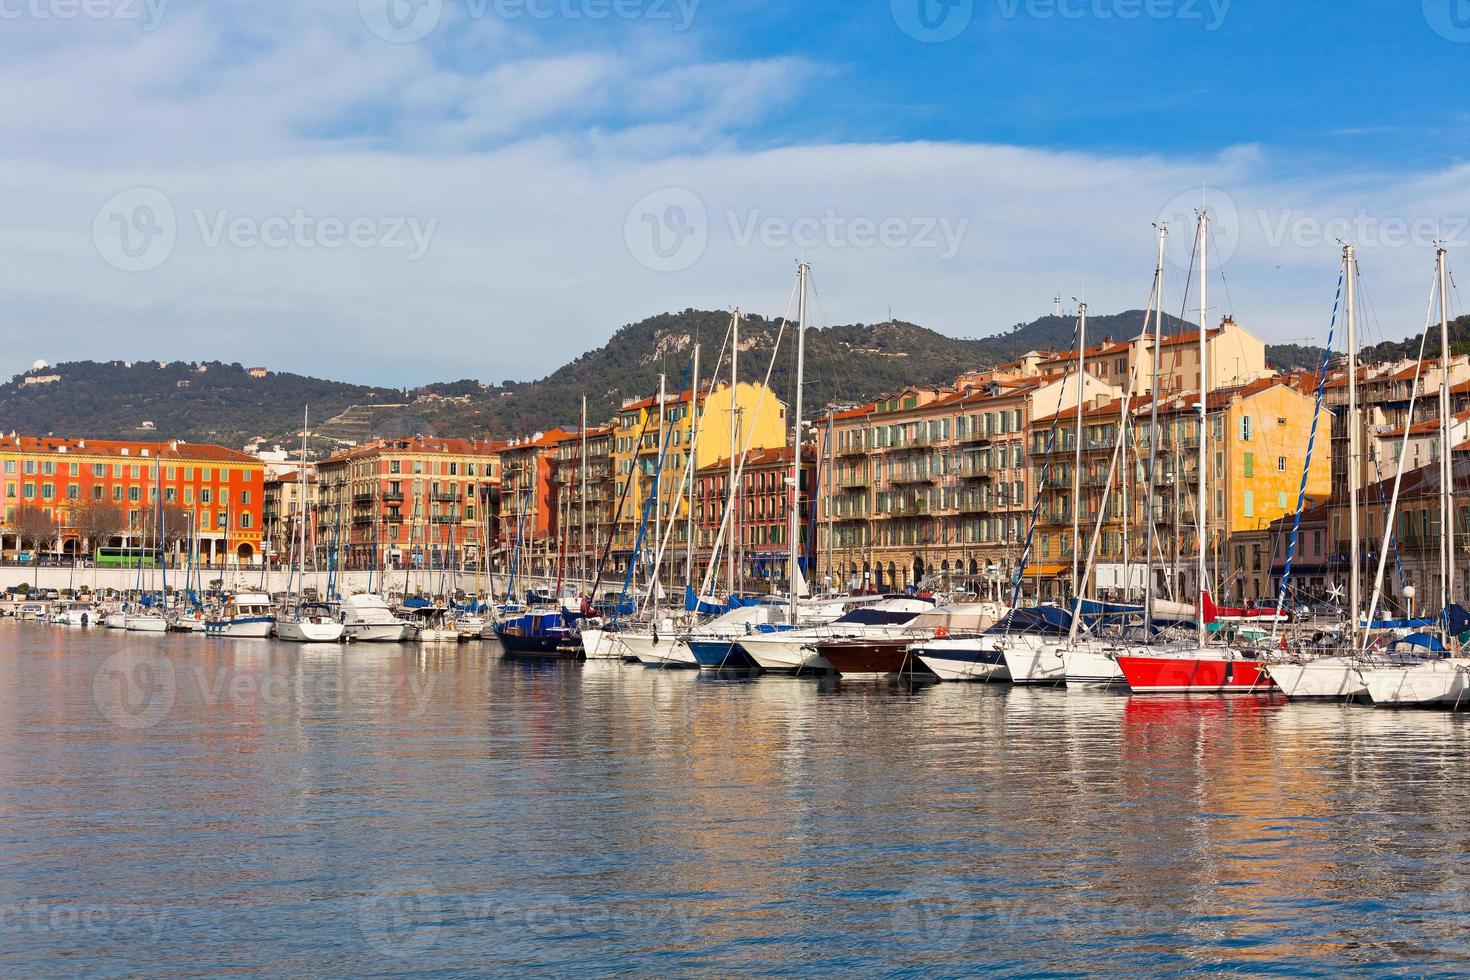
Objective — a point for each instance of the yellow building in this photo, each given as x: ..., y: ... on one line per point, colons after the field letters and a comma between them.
x: 759, y: 422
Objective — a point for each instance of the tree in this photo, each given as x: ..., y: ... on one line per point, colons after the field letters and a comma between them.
x: 34, y: 527
x: 178, y: 525
x: 98, y: 520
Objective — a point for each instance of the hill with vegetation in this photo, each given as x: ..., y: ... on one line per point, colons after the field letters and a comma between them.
x: 225, y: 403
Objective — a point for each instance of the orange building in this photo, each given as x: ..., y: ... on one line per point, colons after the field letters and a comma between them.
x: 221, y: 491
x: 422, y: 502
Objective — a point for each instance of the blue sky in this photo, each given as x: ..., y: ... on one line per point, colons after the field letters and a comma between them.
x: 399, y: 191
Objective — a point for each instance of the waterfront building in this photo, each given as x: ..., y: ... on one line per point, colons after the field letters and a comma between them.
x: 214, y: 491
x: 416, y: 502
x: 936, y: 486
x: 584, y: 501
x: 284, y: 504
x: 757, y: 537
x: 643, y: 426
x: 530, y: 522
x: 1258, y: 433
x: 1322, y: 563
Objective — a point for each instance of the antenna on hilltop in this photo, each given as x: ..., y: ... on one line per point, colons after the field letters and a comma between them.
x: 1059, y: 304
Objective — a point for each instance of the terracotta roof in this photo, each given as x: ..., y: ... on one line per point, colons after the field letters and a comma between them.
x: 420, y: 444
x: 759, y: 457
x: 173, y: 449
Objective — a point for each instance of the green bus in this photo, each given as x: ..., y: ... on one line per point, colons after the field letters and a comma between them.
x: 128, y: 558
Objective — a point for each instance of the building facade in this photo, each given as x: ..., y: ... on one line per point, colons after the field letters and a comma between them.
x: 218, y: 493
x: 407, y: 503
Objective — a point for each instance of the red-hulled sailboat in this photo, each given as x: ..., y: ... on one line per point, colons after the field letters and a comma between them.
x: 1208, y: 669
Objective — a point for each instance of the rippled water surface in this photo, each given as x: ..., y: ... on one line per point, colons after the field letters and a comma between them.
x: 176, y: 806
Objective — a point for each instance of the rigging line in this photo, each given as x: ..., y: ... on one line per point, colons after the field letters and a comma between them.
x: 1220, y: 270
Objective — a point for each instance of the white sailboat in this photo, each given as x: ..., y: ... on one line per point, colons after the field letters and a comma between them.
x: 301, y: 621
x: 1435, y: 683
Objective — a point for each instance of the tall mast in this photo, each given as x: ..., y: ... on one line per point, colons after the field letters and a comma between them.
x: 692, y: 468
x: 829, y: 494
x: 793, y: 518
x: 1077, y: 449
x: 734, y: 436
x: 1202, y: 517
x: 658, y: 489
x: 1350, y: 269
x: 1447, y: 448
x: 582, y: 511
x: 1153, y: 440
x: 301, y: 492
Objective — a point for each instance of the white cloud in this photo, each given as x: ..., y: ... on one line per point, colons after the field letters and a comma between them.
x: 529, y: 158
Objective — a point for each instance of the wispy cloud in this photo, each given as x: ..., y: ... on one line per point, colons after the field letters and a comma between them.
x: 524, y: 164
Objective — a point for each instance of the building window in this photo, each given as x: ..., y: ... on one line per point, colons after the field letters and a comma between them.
x: 48, y: 491
x: 1280, y: 464
x: 245, y: 519
x: 1249, y: 502
x: 1245, y: 428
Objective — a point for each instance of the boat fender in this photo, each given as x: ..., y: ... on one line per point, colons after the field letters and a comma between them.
x: 941, y: 632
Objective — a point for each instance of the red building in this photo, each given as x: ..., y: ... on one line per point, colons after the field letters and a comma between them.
x: 219, y: 492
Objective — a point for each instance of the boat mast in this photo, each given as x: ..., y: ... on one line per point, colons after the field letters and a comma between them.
x: 1201, y: 518
x: 1153, y: 440
x: 734, y: 436
x: 1447, y: 446
x: 692, y: 469
x: 794, y: 518
x: 1077, y: 449
x: 582, y: 511
x: 1349, y: 260
x: 658, y: 488
x: 301, y: 493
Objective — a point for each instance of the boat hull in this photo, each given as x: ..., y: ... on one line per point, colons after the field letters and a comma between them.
x: 713, y: 653
x: 540, y: 647
x: 867, y: 658
x: 1327, y: 679
x: 1205, y: 673
x: 964, y: 660
x: 252, y: 628
x: 1092, y: 668
x: 298, y: 632
x: 780, y: 655
x: 147, y: 624
x: 1036, y: 664
x: 378, y: 632
x: 658, y: 650
x: 1436, y: 684
x: 602, y: 645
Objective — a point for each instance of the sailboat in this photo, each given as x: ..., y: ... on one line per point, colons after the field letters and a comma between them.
x: 302, y: 621
x: 1434, y: 683
x: 150, y: 617
x: 1206, y: 668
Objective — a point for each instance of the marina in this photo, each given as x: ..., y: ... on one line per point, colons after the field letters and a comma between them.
x: 250, y: 806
